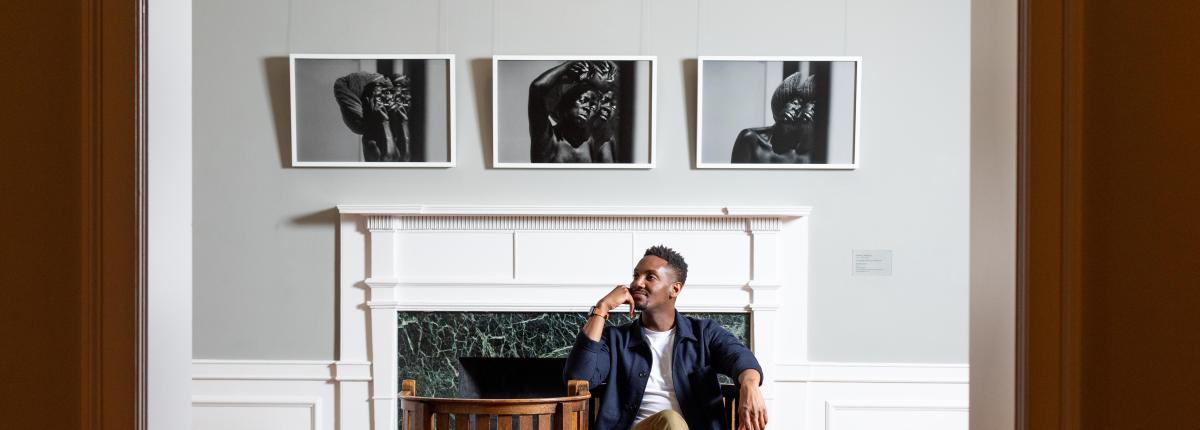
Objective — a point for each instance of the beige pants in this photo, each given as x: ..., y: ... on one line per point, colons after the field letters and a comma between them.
x: 665, y: 420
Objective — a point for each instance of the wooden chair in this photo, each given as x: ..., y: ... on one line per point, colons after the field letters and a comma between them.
x: 431, y: 413
x: 730, y: 394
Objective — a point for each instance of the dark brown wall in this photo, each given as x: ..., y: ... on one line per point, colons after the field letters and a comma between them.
x: 40, y: 185
x: 1109, y: 249
x: 1141, y: 223
x: 68, y: 224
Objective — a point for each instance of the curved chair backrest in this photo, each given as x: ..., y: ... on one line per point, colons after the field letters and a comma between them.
x: 432, y: 413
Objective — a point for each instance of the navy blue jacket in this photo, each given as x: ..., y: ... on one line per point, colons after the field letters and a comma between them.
x: 621, y: 362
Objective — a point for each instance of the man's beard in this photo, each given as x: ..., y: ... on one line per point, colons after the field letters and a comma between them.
x: 639, y: 307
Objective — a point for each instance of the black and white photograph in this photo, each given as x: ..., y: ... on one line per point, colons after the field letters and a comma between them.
x: 778, y: 112
x: 573, y: 112
x: 372, y: 110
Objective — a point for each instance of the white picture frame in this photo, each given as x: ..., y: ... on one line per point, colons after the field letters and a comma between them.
x: 321, y: 131
x: 734, y: 111
x: 513, y: 77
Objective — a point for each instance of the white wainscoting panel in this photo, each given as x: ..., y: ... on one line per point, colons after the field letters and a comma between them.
x: 256, y: 412
x: 279, y: 394
x: 896, y: 415
x: 876, y: 396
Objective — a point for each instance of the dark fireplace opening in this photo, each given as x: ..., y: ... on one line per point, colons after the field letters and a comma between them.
x: 510, y: 377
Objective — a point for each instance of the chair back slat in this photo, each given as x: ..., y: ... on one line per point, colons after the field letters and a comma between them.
x: 572, y: 421
x: 483, y: 422
x: 462, y: 421
x: 430, y: 413
x: 729, y: 396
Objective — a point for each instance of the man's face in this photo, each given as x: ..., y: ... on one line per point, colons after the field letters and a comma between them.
x: 582, y: 108
x: 653, y: 283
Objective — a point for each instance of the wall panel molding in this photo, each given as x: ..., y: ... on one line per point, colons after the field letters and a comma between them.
x: 839, y: 412
x: 280, y: 370
x: 875, y: 373
x: 232, y: 408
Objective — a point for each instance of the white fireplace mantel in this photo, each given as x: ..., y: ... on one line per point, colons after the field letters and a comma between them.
x: 622, y: 211
x: 551, y: 258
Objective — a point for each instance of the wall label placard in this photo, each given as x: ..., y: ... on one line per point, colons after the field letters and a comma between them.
x: 872, y: 262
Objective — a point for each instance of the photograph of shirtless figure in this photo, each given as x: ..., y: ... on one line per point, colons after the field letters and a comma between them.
x: 778, y: 112
x: 578, y: 112
x: 372, y: 111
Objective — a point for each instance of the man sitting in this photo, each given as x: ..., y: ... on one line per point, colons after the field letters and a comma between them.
x: 661, y: 369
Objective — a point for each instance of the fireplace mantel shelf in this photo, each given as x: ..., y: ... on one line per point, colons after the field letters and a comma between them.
x: 641, y: 211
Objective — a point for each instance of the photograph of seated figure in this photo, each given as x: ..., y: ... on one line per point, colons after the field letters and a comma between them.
x: 659, y: 372
x: 778, y: 113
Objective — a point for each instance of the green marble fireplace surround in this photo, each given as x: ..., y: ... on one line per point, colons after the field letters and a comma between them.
x: 429, y: 344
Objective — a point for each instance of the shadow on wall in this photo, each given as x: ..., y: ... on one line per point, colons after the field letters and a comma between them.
x: 278, y: 79
x: 689, y: 95
x: 321, y: 218
x: 326, y: 218
x: 481, y: 73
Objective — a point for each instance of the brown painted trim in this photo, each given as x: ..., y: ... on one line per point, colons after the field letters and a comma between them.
x: 113, y: 213
x: 1049, y: 214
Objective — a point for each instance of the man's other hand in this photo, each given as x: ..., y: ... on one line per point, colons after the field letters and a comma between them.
x: 752, y: 409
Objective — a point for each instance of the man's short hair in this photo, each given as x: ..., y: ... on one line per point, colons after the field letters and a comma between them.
x: 674, y: 260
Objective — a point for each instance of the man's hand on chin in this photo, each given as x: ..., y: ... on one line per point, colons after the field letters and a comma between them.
x: 752, y: 409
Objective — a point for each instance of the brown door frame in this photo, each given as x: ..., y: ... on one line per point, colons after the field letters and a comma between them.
x: 1048, y: 214
x: 72, y: 179
x: 113, y: 126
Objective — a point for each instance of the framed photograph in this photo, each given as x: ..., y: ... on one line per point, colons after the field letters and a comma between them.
x: 372, y: 110
x: 556, y: 112
x: 778, y: 112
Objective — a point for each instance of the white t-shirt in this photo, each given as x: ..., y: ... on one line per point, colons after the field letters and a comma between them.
x: 660, y: 389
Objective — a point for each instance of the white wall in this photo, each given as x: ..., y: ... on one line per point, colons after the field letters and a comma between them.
x: 993, y: 213
x: 265, y: 231
x: 169, y: 224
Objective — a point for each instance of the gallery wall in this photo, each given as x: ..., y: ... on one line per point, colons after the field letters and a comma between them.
x: 264, y: 233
